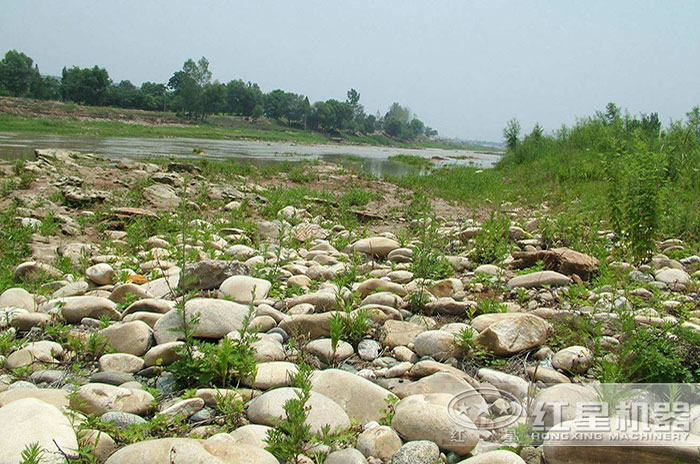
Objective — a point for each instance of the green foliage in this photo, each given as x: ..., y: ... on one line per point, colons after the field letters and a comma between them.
x: 489, y: 306
x: 635, y: 201
x: 351, y: 327
x: 32, y: 454
x: 287, y: 440
x: 389, y: 411
x: 14, y: 243
x: 9, y: 342
x: 492, y: 242
x: 412, y: 160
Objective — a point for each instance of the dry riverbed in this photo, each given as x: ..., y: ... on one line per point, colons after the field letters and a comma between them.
x: 196, y: 312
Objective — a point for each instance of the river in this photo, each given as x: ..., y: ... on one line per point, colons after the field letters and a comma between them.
x: 372, y: 159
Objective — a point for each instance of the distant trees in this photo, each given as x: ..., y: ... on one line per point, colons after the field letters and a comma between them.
x: 17, y: 73
x: 191, y: 93
x: 511, y: 134
x: 86, y: 85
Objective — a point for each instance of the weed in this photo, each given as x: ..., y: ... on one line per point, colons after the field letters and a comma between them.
x: 492, y: 242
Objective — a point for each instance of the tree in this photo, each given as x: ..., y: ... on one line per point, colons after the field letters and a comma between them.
x: 213, y: 99
x: 16, y: 73
x: 242, y: 98
x: 430, y: 132
x: 154, y: 96
x: 188, y: 86
x: 417, y: 127
x: 612, y: 113
x: 275, y: 102
x: 125, y: 95
x: 694, y: 119
x: 257, y: 112
x: 511, y: 134
x: 85, y: 85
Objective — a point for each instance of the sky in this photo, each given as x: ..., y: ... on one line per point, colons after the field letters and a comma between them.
x: 464, y: 67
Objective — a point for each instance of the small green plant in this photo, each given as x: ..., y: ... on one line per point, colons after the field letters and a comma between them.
x: 32, y: 454
x: 288, y: 440
x: 489, y: 306
x: 492, y: 242
x: 390, y: 410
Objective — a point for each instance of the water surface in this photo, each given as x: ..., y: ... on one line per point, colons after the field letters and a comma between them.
x: 371, y: 159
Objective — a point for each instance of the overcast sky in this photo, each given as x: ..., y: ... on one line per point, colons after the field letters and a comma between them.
x: 464, y: 67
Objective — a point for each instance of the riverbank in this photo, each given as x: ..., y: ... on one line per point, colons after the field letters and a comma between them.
x: 41, y: 117
x: 152, y: 305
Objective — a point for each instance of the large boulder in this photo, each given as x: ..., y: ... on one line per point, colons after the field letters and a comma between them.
x: 216, y: 319
x: 17, y: 298
x: 129, y: 337
x: 559, y: 403
x: 210, y: 274
x: 425, y: 417
x: 99, y: 398
x: 268, y: 409
x: 603, y: 445
x: 28, y: 421
x: 43, y: 351
x: 75, y: 308
x: 376, y: 246
x: 495, y: 457
x: 312, y: 325
x: 400, y: 333
x: 562, y: 260
x: 361, y: 399
x: 511, y: 336
x: 245, y: 289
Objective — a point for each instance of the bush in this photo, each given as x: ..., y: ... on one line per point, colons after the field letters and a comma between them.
x: 492, y: 242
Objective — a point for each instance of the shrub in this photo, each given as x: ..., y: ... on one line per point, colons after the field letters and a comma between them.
x: 492, y: 242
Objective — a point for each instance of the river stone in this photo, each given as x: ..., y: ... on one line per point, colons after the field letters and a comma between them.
x: 72, y: 289
x: 361, y: 399
x: 100, y: 274
x: 312, y: 325
x: 98, y: 398
x: 417, y: 452
x: 75, y: 308
x: 149, y: 305
x: 161, y: 196
x: 122, y: 420
x: 32, y: 271
x: 495, y: 457
x: 376, y: 246
x: 512, y: 384
x: 548, y: 376
x: 437, y: 344
x: 449, y: 306
x: 240, y: 288
x: 184, y: 408
x: 129, y: 291
x: 120, y: 362
x: 673, y: 277
x: 100, y: 442
x: 211, y: 273
x: 539, y: 279
x: 30, y: 420
x: 25, y: 321
x: 129, y: 337
x: 41, y: 351
x: 111, y: 377
x: 425, y: 417
x: 346, y: 456
x: 57, y: 397
x: 321, y: 301
x: 559, y: 402
x: 17, y: 298
x: 162, y: 355
x: 576, y: 359
x: 439, y: 382
x: 384, y: 299
x: 370, y: 286
x: 400, y: 333
x: 251, y: 434
x: 368, y: 349
x: 606, y: 448
x: 268, y: 409
x: 268, y: 349
x: 380, y: 442
x: 216, y: 319
x: 272, y: 375
x: 191, y: 451
x: 513, y: 335
x: 323, y: 350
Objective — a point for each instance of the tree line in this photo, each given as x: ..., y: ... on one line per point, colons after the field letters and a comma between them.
x: 192, y: 94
